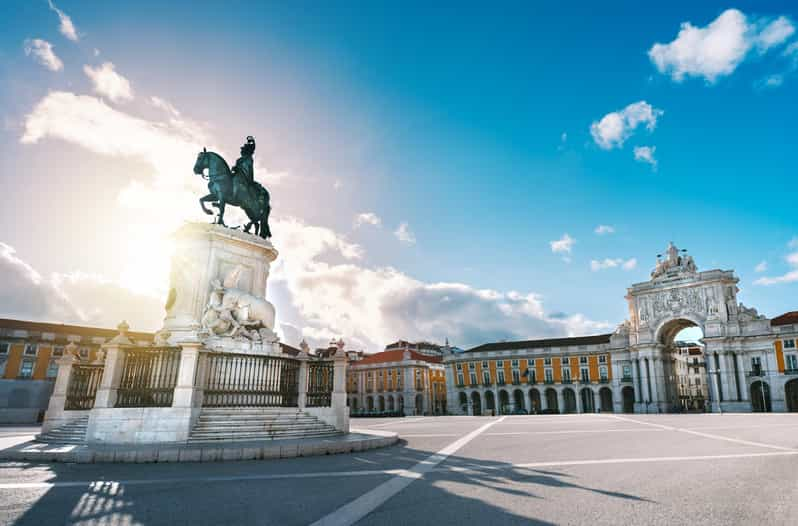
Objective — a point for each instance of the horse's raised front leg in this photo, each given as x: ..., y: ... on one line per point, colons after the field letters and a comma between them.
x: 203, y: 200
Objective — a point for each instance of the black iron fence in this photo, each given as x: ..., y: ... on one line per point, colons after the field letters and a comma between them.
x: 320, y: 384
x: 149, y: 376
x: 243, y: 380
x: 82, y: 386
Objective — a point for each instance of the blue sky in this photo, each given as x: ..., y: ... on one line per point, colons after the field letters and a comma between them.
x: 473, y: 126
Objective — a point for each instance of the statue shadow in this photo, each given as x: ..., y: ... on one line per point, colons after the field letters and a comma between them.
x: 241, y: 493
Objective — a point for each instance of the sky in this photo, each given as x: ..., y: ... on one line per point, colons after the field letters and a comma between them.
x: 496, y: 171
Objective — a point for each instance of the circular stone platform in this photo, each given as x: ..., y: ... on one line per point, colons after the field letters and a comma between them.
x: 357, y: 440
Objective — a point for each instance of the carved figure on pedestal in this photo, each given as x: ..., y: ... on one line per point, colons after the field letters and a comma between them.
x: 232, y: 312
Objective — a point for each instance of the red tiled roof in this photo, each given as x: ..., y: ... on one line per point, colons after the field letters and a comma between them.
x: 60, y: 328
x: 395, y: 356
x: 550, y: 342
x: 786, y: 318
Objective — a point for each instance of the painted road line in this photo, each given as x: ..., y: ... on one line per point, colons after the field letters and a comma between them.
x: 707, y: 435
x: 572, y: 431
x: 88, y: 484
x: 431, y: 435
x: 360, y: 507
x: 638, y: 460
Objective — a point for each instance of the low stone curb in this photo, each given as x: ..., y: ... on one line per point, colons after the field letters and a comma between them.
x: 356, y: 440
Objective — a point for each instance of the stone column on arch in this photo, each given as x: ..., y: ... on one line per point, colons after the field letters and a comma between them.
x: 560, y: 401
x: 744, y: 394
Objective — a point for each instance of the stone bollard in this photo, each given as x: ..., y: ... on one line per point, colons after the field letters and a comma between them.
x: 302, y: 398
x: 112, y: 372
x: 339, y: 392
x: 55, y: 416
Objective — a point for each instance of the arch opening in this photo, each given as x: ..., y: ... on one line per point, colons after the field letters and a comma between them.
x: 685, y: 366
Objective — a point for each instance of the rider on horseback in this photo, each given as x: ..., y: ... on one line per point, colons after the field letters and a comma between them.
x: 244, y: 167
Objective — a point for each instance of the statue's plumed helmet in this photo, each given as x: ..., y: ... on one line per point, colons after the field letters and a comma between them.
x: 249, y: 147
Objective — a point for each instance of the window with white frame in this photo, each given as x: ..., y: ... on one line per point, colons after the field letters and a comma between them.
x: 485, y: 376
x: 789, y: 344
x: 603, y: 373
x: 460, y: 379
x: 584, y: 374
x: 530, y: 362
x: 791, y: 362
x: 58, y: 350
x: 484, y: 365
x: 603, y: 358
x: 473, y: 376
x: 500, y: 364
x: 756, y: 365
x: 566, y: 374
x: 547, y: 361
x: 84, y: 352
x: 627, y: 371
x: 31, y: 349
x: 516, y: 376
x: 52, y: 369
x: 459, y: 367
x: 548, y: 374
x: 4, y: 348
x: 514, y: 363
x: 500, y: 376
x: 26, y: 368
x: 583, y: 359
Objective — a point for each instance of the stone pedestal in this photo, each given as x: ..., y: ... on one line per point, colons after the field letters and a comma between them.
x: 206, y: 255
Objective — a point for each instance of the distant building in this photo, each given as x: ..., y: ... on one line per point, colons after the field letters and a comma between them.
x: 28, y: 354
x: 407, y: 378
x: 691, y: 371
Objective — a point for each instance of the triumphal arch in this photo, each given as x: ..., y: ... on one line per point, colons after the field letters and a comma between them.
x: 738, y: 342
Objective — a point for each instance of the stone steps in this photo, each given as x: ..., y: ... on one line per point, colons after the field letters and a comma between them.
x: 73, y: 432
x: 241, y: 424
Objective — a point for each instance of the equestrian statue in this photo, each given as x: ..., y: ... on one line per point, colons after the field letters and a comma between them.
x: 235, y: 187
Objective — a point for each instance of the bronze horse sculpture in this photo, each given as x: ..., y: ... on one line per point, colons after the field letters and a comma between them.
x: 227, y: 187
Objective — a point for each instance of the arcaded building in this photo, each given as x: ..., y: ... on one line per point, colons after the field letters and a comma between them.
x: 745, y: 361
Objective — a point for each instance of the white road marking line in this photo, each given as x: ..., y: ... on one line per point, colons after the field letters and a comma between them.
x: 569, y: 431
x: 360, y: 507
x: 633, y: 460
x: 431, y: 435
x: 231, y: 478
x: 397, y: 422
x: 706, y: 435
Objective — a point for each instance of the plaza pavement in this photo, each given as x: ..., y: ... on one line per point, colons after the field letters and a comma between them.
x: 558, y: 469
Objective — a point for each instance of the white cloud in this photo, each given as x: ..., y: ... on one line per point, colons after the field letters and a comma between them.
x: 604, y: 229
x: 165, y: 106
x: 43, y: 53
x: 716, y: 50
x: 629, y: 264
x: 71, y: 298
x: 563, y: 246
x: 775, y: 33
x: 645, y: 154
x: 367, y: 218
x: 762, y: 266
x: 615, y: 127
x: 337, y: 184
x: 790, y: 276
x: 320, y: 272
x: 108, y: 82
x: 369, y: 307
x: 405, y: 235
x: 67, y: 28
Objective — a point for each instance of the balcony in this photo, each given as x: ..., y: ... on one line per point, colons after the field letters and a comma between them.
x: 604, y: 380
x: 548, y: 382
x: 566, y: 381
x: 516, y: 382
x: 790, y: 371
x: 486, y: 383
x: 500, y: 382
x: 627, y: 379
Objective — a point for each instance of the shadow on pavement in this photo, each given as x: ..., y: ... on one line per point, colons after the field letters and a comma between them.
x: 189, y: 498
